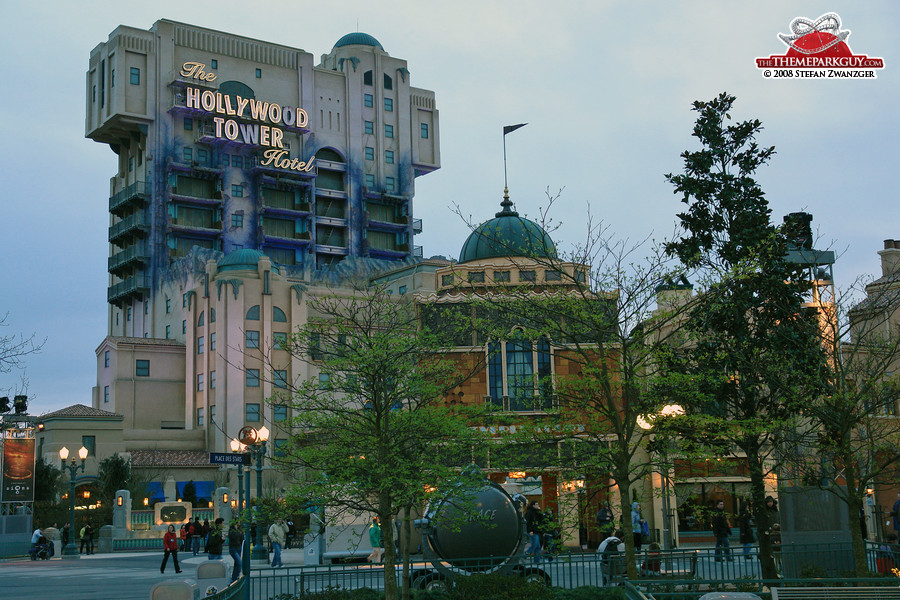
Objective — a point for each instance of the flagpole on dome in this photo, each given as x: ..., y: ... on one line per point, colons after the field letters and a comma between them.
x: 507, y: 129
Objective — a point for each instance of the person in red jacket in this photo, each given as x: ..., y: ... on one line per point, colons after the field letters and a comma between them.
x: 170, y: 545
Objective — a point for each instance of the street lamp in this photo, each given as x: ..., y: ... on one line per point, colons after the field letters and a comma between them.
x: 70, y: 551
x: 253, y: 441
x: 670, y: 410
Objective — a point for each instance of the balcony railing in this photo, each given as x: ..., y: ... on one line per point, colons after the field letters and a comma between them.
x: 128, y: 226
x: 417, y: 226
x: 135, y: 253
x: 122, y: 198
x: 131, y: 286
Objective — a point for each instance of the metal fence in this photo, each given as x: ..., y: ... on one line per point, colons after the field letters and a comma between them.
x: 669, y: 575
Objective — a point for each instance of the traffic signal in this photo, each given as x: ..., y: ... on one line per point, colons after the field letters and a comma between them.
x: 4, y: 404
x: 20, y: 403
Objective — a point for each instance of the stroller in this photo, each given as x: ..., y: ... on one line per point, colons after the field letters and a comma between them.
x: 41, y: 550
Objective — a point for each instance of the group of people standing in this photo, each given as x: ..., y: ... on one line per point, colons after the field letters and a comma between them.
x: 640, y: 530
x: 542, y: 529
x: 213, y: 537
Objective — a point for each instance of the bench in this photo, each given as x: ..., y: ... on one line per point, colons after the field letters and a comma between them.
x: 836, y: 593
x: 669, y: 565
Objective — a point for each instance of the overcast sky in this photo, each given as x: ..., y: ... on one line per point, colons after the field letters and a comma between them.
x: 606, y: 89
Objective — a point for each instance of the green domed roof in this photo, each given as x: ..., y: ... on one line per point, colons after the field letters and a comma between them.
x: 240, y: 260
x: 358, y: 38
x: 506, y: 235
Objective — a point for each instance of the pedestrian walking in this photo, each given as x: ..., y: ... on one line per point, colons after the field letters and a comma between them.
x: 291, y: 532
x: 235, y: 546
x: 170, y: 546
x: 722, y: 531
x: 376, y: 538
x: 533, y: 518
x: 637, y: 531
x: 87, y: 539
x: 196, y: 535
x: 65, y: 535
x: 746, y: 531
x: 277, y: 536
x: 895, y: 513
x: 605, y: 520
x: 215, y: 540
x: 183, y: 533
x: 204, y: 531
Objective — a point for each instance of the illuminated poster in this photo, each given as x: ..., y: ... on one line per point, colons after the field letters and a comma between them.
x: 18, y: 470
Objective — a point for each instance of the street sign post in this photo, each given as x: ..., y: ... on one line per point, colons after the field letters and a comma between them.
x: 226, y: 458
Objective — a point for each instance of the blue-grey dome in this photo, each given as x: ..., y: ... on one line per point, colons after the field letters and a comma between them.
x: 506, y: 235
x: 245, y: 259
x: 358, y: 38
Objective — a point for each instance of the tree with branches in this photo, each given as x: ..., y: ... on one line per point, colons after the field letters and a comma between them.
x: 372, y: 433
x: 753, y: 358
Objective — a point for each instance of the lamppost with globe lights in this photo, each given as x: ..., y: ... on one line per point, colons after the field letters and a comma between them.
x: 670, y: 410
x: 71, y: 551
x: 253, y: 441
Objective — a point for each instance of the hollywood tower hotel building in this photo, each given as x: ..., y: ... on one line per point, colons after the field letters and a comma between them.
x: 238, y: 153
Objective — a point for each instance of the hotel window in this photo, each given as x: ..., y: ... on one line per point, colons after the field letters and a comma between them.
x: 402, y: 290
x: 370, y: 180
x: 259, y: 73
x: 142, y: 368
x: 112, y: 78
x: 280, y: 378
x: 224, y: 160
x: 370, y: 153
x: 106, y: 394
x: 212, y: 381
x: 237, y: 161
x: 237, y: 190
x: 367, y: 100
x: 278, y: 315
x: 130, y: 164
x: 214, y: 63
x: 199, y: 417
x: 368, y: 127
x: 212, y: 410
x: 202, y: 156
x: 367, y: 78
x: 106, y: 359
x: 199, y: 382
x: 388, y: 131
x: 527, y: 276
x: 94, y: 94
x: 237, y: 220
x: 168, y: 332
x: 552, y: 276
x: 279, y: 447
x: 187, y: 154
x: 252, y: 378
x: 446, y: 279
x: 476, y: 276
x: 424, y: 131
x: 212, y: 342
x: 388, y: 82
x: 188, y: 124
x: 128, y: 314
x: 390, y: 184
x: 184, y: 327
x: 389, y: 104
x: 212, y: 316
x: 253, y: 313
x: 251, y: 413
x: 251, y: 339
x: 279, y: 340
x: 389, y: 157
x: 168, y: 305
x: 201, y: 344
x: 90, y: 443
x: 201, y: 320
x: 184, y: 300
x: 147, y: 307
x: 323, y: 380
x: 501, y: 276
x: 520, y: 370
x: 135, y: 76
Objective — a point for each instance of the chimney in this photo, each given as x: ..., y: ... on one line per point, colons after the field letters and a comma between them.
x: 890, y: 257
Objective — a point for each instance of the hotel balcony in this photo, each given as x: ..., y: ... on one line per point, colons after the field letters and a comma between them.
x: 136, y: 194
x: 417, y: 226
x: 131, y: 226
x: 136, y: 286
x: 128, y: 258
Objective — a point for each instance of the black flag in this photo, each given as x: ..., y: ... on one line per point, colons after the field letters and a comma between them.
x: 511, y: 128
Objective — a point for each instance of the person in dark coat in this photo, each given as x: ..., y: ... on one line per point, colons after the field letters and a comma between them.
x: 746, y: 529
x: 722, y: 530
x: 215, y: 540
x: 533, y: 519
x: 65, y: 535
x: 605, y: 520
x: 235, y: 545
x: 204, y: 531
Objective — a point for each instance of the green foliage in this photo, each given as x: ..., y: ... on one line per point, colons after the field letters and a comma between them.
x: 189, y: 493
x: 498, y: 587
x: 113, y: 473
x: 476, y: 587
x: 47, y: 482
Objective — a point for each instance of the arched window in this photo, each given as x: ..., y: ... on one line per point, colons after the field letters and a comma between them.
x: 253, y: 313
x: 329, y: 154
x: 278, y: 315
x: 201, y: 320
x: 233, y: 89
x: 212, y: 315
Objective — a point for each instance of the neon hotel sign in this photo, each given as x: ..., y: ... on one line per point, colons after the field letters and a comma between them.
x: 266, y: 119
